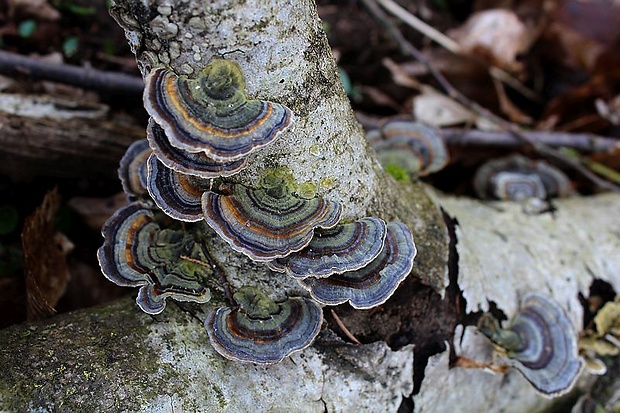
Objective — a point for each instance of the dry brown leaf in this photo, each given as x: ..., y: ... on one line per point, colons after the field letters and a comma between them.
x: 497, y: 35
x: 45, y: 250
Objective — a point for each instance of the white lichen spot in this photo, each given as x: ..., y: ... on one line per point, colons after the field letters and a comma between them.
x: 197, y: 57
x: 164, y: 58
x: 174, y: 50
x: 163, y: 27
x: 186, y: 69
x: 164, y: 10
x: 188, y: 35
x: 153, y: 44
x: 196, y: 23
x: 195, y: 48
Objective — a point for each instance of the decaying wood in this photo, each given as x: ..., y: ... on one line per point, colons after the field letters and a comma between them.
x: 59, y: 138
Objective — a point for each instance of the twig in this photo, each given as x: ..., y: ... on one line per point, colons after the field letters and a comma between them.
x: 344, y: 328
x: 421, y: 26
x: 216, y: 270
x: 13, y: 65
x: 408, y: 49
x: 467, y: 363
x: 581, y: 141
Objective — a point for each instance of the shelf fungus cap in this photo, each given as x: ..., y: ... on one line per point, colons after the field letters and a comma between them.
x: 127, y: 234
x: 262, y: 331
x: 416, y: 147
x: 376, y: 282
x: 138, y: 253
x: 268, y: 222
x: 188, y: 163
x: 132, y: 169
x: 517, y: 178
x: 211, y: 113
x: 177, y: 194
x: 180, y: 283
x: 345, y: 247
x: 540, y: 343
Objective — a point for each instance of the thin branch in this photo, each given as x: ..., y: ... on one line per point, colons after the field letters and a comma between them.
x: 12, y: 64
x: 344, y: 328
x: 580, y: 141
x: 216, y: 270
x: 408, y: 49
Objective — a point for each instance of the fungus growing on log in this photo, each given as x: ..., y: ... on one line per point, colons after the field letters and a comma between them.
x: 262, y: 331
x: 345, y: 247
x: 268, y: 222
x: 540, y: 343
x: 415, y: 147
x: 177, y: 194
x: 138, y: 253
x: 373, y: 284
x: 188, y: 163
x: 132, y: 169
x: 517, y: 178
x: 211, y: 114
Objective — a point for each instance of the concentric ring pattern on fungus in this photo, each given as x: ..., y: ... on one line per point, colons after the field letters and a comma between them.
x: 541, y: 344
x: 211, y: 113
x: 177, y: 194
x: 188, y: 163
x: 373, y: 284
x: 262, y: 331
x: 266, y: 223
x: 138, y: 253
x: 345, y: 247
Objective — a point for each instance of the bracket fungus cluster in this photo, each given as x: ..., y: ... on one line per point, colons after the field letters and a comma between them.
x: 138, y: 252
x: 414, y: 147
x: 200, y: 133
x: 516, y: 178
x: 211, y: 114
x: 260, y: 330
x: 540, y: 343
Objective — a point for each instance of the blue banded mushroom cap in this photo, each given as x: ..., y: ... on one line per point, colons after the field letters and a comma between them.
x: 179, y: 283
x: 177, y: 194
x: 268, y: 222
x: 517, y: 178
x: 540, y: 343
x: 137, y: 253
x: 416, y: 147
x: 345, y: 247
x: 262, y: 331
x: 188, y: 163
x: 129, y: 231
x: 517, y: 186
x: 132, y: 169
x: 211, y: 113
x: 376, y: 282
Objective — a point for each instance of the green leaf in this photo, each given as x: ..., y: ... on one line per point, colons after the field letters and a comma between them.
x: 27, y: 28
x: 70, y: 46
